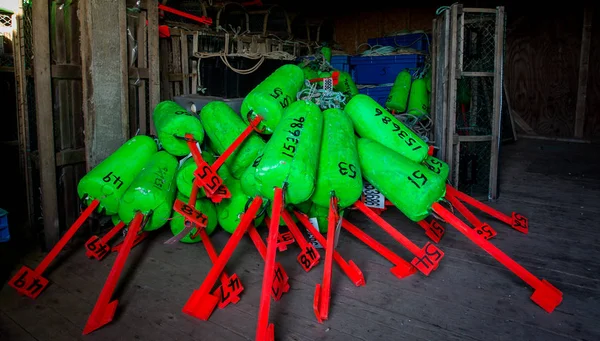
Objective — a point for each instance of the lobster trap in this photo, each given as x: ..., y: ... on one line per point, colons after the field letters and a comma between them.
x: 468, y: 50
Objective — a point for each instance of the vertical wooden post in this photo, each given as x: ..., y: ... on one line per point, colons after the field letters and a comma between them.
x: 583, y: 71
x: 498, y: 75
x: 45, y: 123
x: 142, y: 63
x: 153, y: 61
x: 104, y: 77
x: 23, y: 115
x: 452, y: 76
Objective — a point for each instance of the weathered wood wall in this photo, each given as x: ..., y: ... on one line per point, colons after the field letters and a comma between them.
x: 542, y: 69
x: 67, y: 106
x: 352, y: 29
x: 542, y: 57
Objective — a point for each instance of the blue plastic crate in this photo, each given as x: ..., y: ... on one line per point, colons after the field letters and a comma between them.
x: 4, y: 232
x: 382, y: 69
x: 378, y: 93
x: 417, y: 41
x: 341, y: 62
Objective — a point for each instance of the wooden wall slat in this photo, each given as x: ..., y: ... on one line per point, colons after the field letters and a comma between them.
x: 541, y: 68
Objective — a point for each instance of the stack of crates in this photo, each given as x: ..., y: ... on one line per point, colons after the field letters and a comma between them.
x: 379, y: 72
x: 375, y: 75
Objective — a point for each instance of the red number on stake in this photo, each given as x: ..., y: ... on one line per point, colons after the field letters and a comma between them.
x: 520, y: 223
x: 486, y: 231
x: 209, y: 179
x: 429, y: 259
x: 190, y: 213
x: 284, y: 239
x: 27, y: 282
x: 230, y: 293
x: 280, y: 282
x: 308, y: 257
x: 96, y: 248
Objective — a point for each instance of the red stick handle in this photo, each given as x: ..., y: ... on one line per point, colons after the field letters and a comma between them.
x: 407, y: 243
x: 107, y: 237
x: 104, y: 310
x: 332, y: 219
x: 191, y: 305
x: 373, y: 244
x: 66, y: 237
x: 236, y: 143
x: 265, y: 297
x: 479, y: 205
x: 490, y: 248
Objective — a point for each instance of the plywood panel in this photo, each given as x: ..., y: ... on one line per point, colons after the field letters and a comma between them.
x: 591, y: 128
x: 354, y: 29
x: 541, y: 70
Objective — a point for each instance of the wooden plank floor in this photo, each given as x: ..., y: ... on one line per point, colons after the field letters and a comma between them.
x: 469, y: 297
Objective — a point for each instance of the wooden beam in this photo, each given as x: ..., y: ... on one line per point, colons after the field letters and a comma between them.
x: 104, y: 77
x: 140, y: 72
x: 153, y: 62
x: 583, y: 71
x: 70, y: 157
x: 23, y: 117
x: 480, y: 10
x: 142, y: 64
x: 522, y: 124
x: 452, y: 86
x: 66, y: 71
x: 510, y: 111
x: 498, y: 66
x: 45, y: 122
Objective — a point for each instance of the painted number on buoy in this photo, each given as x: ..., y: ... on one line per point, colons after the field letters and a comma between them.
x: 372, y: 197
x: 433, y: 165
x: 292, y: 140
x: 418, y: 179
x: 347, y: 169
x: 114, y: 179
x: 277, y: 92
x: 386, y: 119
x: 190, y: 213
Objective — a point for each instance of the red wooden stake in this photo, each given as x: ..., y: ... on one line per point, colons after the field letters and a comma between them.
x: 483, y: 229
x: 138, y: 239
x: 104, y: 310
x: 323, y: 292
x: 426, y: 259
x: 236, y: 143
x: 206, y: 176
x: 545, y: 295
x: 98, y: 248
x: 264, y: 331
x: 280, y: 282
x: 201, y: 303
x: 517, y: 221
x: 30, y: 282
x: 349, y: 268
x: 433, y: 230
x: 309, y: 257
x: 201, y: 20
x: 231, y: 287
x: 283, y: 239
x: 401, y: 267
